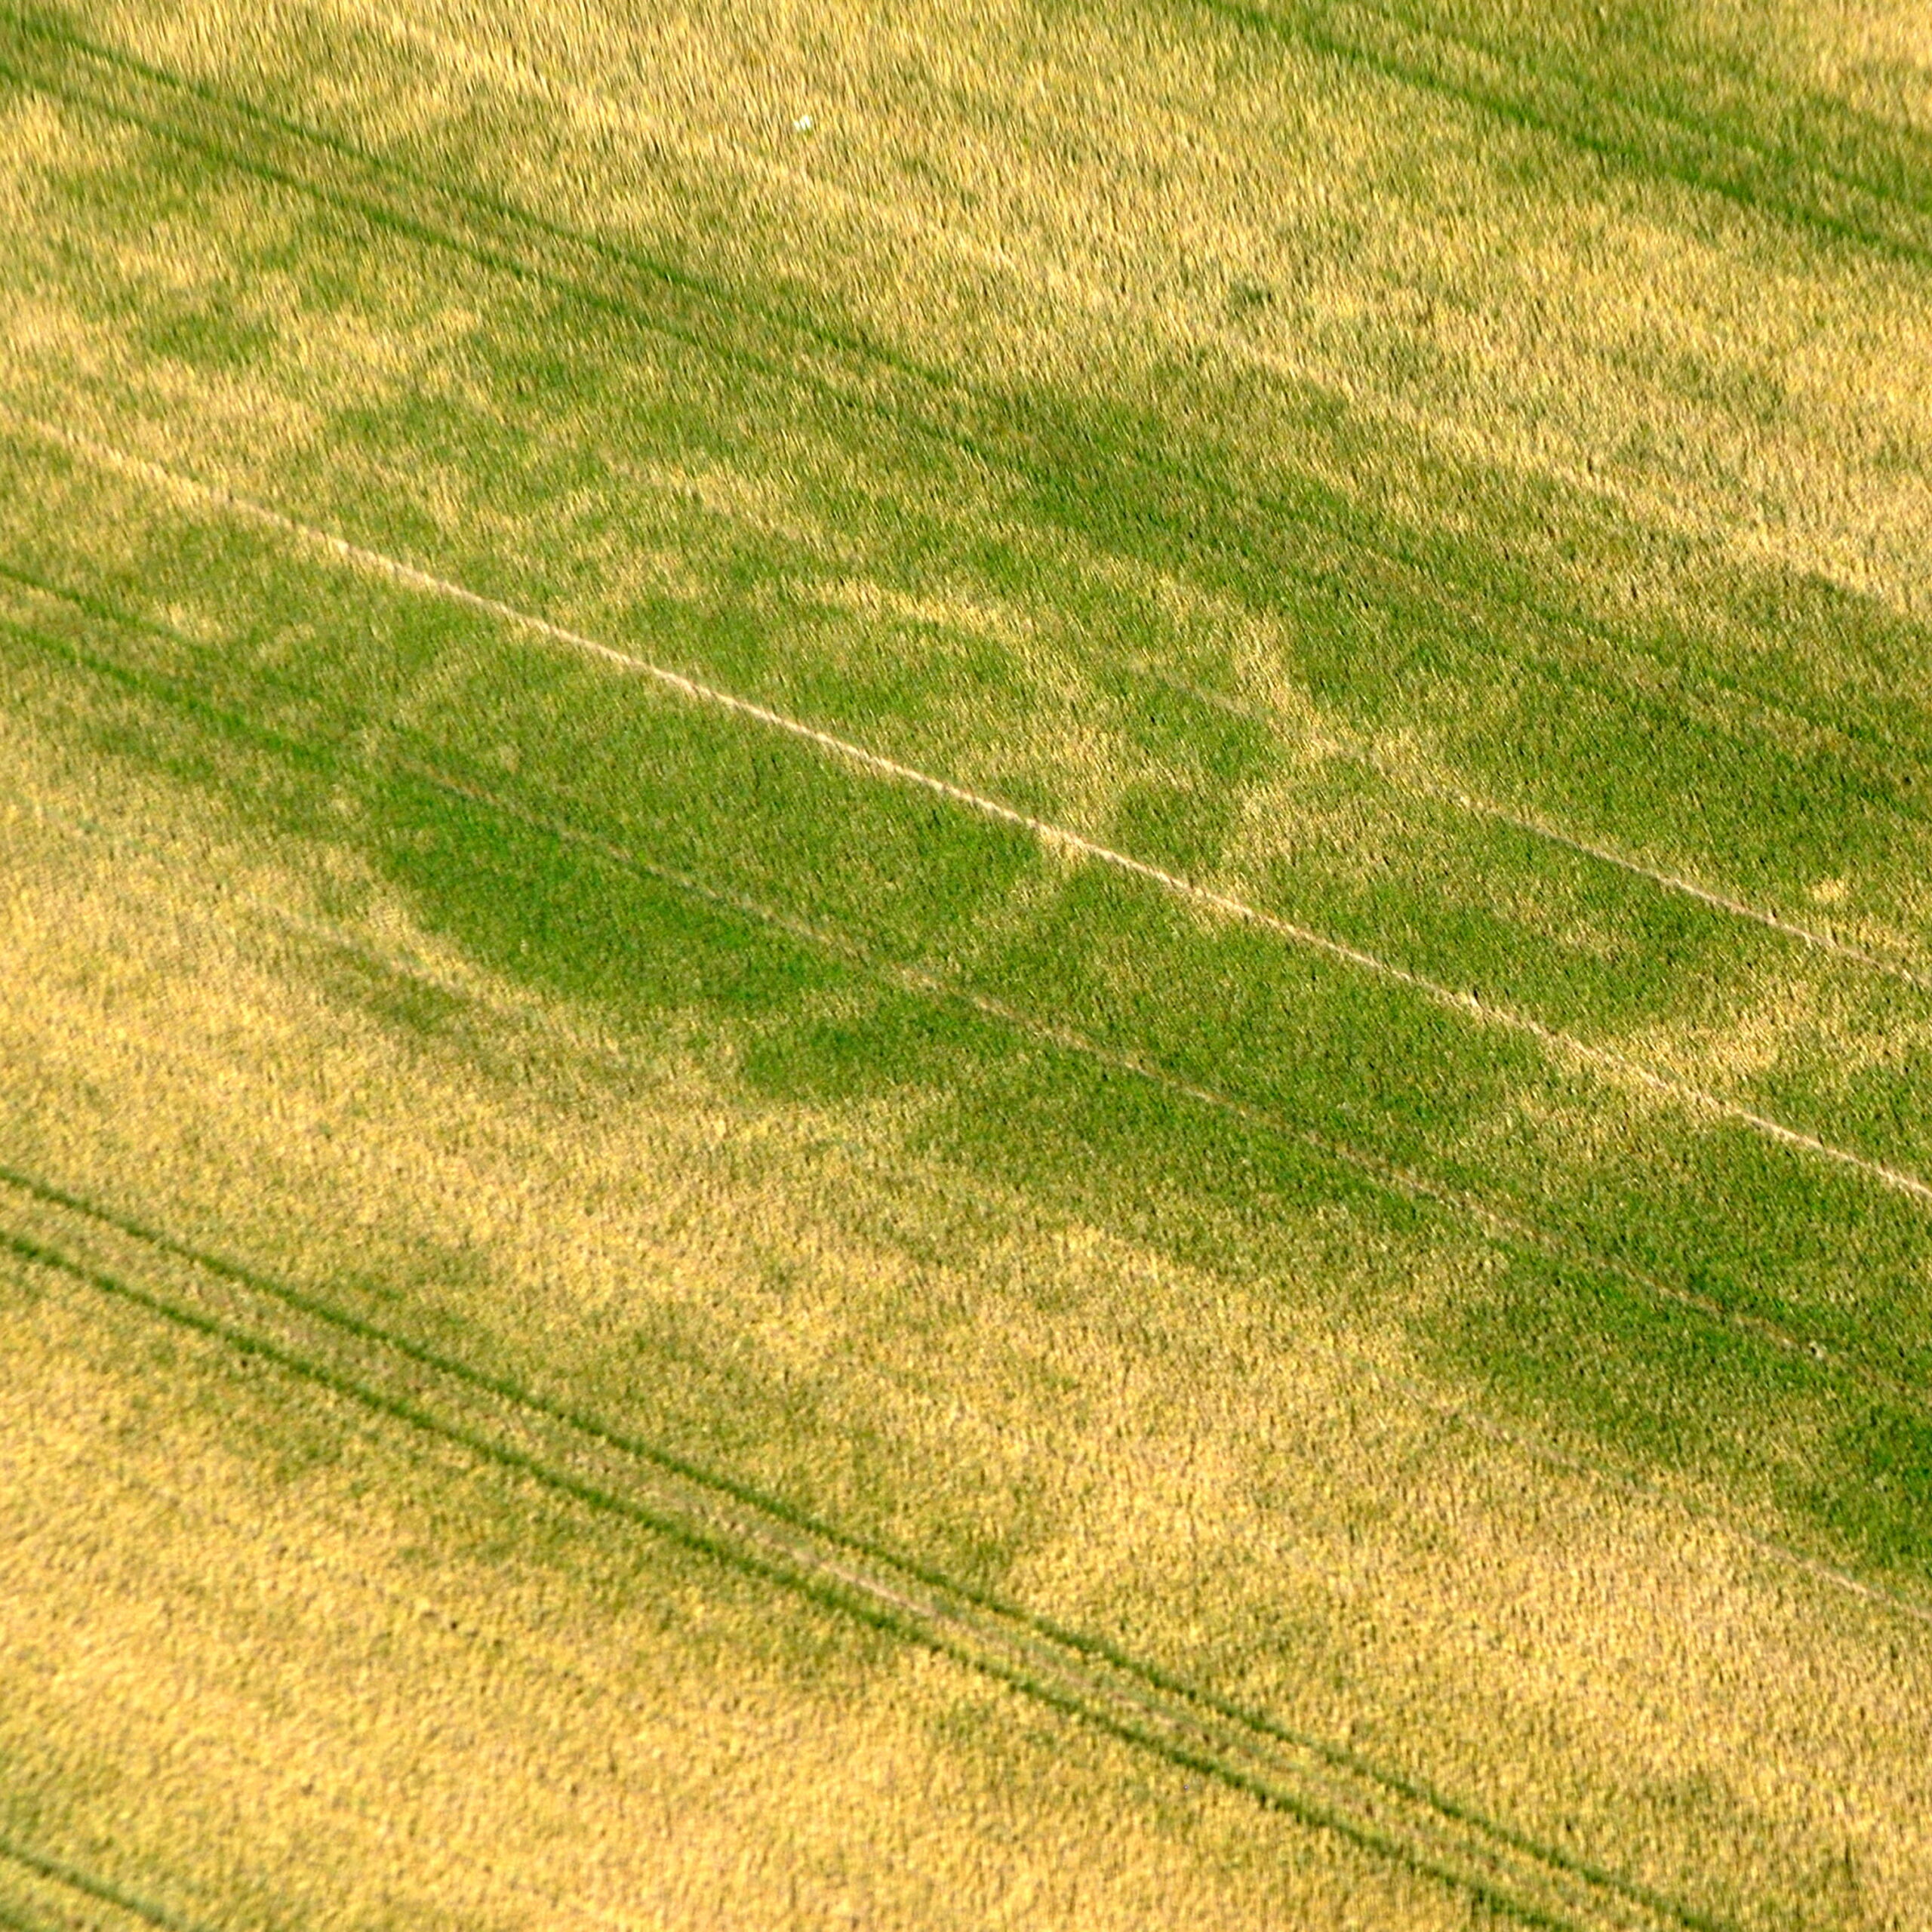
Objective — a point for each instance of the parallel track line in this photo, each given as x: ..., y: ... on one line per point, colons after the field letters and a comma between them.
x: 1223, y: 906
x: 1395, y: 1180
x: 1533, y: 117
x: 57, y: 1872
x: 1765, y: 150
x: 1847, y: 731
x: 551, y: 818
x: 1323, y: 1785
x: 1359, y: 752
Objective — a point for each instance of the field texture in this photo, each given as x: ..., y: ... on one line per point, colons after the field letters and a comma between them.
x: 966, y: 965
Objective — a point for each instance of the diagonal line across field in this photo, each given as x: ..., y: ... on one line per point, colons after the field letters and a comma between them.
x: 1643, y: 137
x: 1455, y: 795
x: 1646, y: 136
x: 508, y: 228
x: 1495, y: 1223
x: 1357, y: 751
x: 1618, y: 1066
x: 99, y: 1893
x: 1510, y: 1221
x: 572, y: 1455
x: 895, y: 1059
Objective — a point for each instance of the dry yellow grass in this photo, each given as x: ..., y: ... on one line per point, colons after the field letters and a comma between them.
x: 386, y: 1689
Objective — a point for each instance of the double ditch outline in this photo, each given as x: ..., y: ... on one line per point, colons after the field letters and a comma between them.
x: 1527, y: 1025
x: 1136, y: 1702
x: 1672, y: 1293
x: 1507, y: 1226
x: 1338, y: 582
x: 1563, y: 671
x: 1326, y: 583
x: 64, y: 1198
x: 1390, y: 1179
x: 1404, y: 1183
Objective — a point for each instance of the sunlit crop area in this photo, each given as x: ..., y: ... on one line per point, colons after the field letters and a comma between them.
x: 966, y: 965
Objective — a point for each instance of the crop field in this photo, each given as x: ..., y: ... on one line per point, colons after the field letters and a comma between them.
x: 966, y: 965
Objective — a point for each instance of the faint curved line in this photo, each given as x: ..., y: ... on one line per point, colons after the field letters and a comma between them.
x: 1222, y: 904
x: 1391, y: 1178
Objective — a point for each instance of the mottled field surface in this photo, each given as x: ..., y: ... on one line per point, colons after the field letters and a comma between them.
x: 966, y: 965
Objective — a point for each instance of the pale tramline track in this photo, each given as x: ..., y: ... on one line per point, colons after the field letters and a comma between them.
x: 902, y: 1602
x: 1497, y: 1224
x: 576, y: 1457
x: 1496, y: 1221
x: 1504, y: 1223
x: 1618, y: 1067
x: 521, y: 73
x: 1330, y: 743
x: 1494, y: 1225
x: 454, y: 51
x: 1533, y: 827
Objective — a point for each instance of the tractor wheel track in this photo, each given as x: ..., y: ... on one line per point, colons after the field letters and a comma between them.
x: 847, y: 372
x: 574, y: 1456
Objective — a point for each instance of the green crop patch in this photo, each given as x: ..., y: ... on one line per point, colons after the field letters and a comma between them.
x: 1329, y: 1074
x: 966, y: 966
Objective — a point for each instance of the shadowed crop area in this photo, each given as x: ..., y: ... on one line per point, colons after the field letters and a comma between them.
x: 966, y: 965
